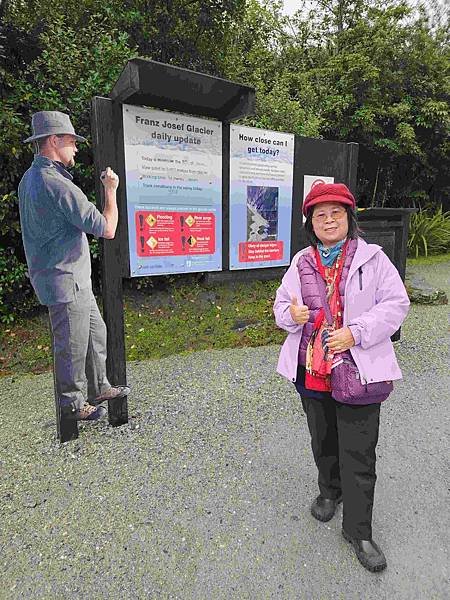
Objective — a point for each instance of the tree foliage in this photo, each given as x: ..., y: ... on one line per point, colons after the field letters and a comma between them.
x: 380, y: 75
x: 257, y: 49
x: 369, y: 71
x: 58, y: 55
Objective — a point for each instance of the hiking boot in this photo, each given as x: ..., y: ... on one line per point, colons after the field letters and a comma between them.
x: 115, y: 391
x: 323, y: 509
x: 86, y: 413
x: 367, y: 552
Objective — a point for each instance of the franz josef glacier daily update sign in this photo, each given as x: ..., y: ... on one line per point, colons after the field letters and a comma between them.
x: 261, y: 177
x: 173, y: 166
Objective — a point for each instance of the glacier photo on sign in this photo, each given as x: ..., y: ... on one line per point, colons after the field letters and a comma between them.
x: 262, y: 213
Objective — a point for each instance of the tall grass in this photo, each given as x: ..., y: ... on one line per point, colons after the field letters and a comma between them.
x: 429, y: 233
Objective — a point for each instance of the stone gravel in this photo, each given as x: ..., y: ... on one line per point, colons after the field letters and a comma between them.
x: 205, y: 493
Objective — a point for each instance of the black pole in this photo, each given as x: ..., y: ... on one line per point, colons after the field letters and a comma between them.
x: 66, y: 430
x: 105, y: 127
x: 352, y: 165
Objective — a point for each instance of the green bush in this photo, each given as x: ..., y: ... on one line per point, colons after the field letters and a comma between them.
x: 16, y: 294
x: 429, y: 233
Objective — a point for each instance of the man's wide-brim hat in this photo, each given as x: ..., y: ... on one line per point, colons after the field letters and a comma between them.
x: 51, y: 122
x: 328, y: 192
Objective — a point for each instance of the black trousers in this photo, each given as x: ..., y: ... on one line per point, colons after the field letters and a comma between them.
x: 343, y: 441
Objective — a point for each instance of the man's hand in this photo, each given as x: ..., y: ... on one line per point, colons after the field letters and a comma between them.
x: 340, y: 340
x: 110, y: 183
x: 299, y: 314
x: 109, y: 179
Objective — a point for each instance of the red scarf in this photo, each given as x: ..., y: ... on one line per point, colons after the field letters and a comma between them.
x: 319, y: 360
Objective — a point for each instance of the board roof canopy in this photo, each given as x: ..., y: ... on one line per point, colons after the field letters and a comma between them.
x: 146, y: 82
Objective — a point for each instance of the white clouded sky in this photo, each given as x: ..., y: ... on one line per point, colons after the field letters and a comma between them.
x: 291, y: 6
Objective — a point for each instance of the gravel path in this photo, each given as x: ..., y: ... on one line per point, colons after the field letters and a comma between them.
x: 205, y: 493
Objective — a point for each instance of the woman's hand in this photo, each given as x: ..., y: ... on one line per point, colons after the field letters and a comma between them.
x: 340, y: 340
x: 300, y: 314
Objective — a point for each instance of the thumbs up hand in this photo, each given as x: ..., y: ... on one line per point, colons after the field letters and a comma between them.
x: 299, y: 314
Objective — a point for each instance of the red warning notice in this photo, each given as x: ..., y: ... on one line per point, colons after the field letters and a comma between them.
x: 169, y: 233
x: 259, y: 251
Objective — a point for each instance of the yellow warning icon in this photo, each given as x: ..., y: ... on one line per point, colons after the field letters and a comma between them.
x: 190, y: 220
x: 152, y: 242
x: 151, y: 220
x: 191, y: 241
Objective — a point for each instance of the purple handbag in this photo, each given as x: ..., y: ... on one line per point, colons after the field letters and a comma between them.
x: 346, y: 386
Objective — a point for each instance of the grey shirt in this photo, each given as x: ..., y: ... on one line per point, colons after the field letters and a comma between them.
x: 55, y: 216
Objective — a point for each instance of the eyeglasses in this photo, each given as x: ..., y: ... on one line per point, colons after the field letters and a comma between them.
x: 336, y: 214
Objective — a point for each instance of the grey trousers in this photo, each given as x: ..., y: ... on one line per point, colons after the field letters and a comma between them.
x: 79, y: 349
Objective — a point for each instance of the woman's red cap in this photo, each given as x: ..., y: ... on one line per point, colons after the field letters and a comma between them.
x: 328, y: 192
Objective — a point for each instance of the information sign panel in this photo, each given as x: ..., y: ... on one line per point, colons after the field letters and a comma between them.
x: 261, y: 173
x: 173, y: 166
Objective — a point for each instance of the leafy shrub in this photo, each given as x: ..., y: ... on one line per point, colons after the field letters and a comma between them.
x: 429, y: 233
x: 16, y: 295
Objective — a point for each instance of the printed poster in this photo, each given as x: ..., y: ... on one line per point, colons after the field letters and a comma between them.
x: 261, y: 175
x: 173, y: 166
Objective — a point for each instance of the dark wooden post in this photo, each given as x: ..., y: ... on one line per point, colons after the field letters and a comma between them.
x: 298, y: 239
x: 66, y: 430
x: 352, y: 165
x: 106, y: 139
x: 225, y: 196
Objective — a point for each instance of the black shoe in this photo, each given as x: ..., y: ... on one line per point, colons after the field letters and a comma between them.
x: 368, y: 553
x: 323, y: 509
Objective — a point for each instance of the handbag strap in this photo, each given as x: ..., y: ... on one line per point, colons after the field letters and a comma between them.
x: 323, y: 298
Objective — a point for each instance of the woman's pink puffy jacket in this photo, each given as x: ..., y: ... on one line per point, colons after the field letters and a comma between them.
x: 373, y: 314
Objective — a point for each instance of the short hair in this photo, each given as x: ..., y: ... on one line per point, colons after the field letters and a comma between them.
x: 41, y: 142
x: 354, y: 231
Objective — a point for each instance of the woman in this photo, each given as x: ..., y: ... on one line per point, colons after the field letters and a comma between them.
x: 368, y: 303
